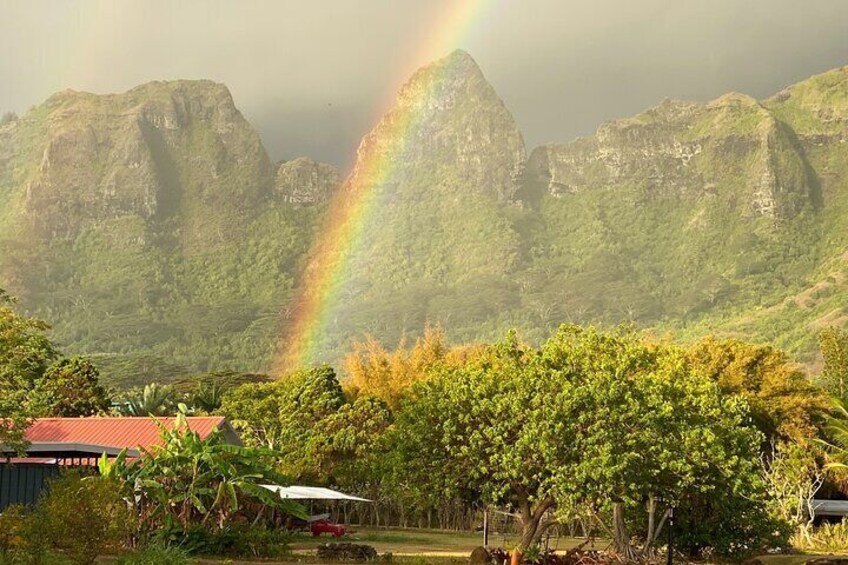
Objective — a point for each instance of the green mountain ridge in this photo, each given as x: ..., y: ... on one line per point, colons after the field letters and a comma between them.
x: 152, y: 228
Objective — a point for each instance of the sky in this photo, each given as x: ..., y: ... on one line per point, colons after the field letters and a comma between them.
x: 314, y: 75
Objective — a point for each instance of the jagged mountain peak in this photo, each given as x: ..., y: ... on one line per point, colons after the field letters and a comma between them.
x: 447, y: 112
x: 304, y: 181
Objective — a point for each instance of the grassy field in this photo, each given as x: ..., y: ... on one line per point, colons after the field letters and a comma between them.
x: 434, y: 547
x: 429, y: 543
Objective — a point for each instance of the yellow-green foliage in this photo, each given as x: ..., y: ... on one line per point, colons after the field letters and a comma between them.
x: 827, y: 538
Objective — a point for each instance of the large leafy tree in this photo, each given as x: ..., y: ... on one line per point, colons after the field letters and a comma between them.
x: 71, y: 388
x: 598, y: 420
x: 322, y: 435
x: 474, y: 433
x: 25, y: 354
x: 287, y: 415
x: 647, y: 433
x: 36, y: 381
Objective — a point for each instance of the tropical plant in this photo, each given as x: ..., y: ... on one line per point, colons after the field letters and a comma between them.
x: 152, y: 400
x: 189, y: 480
x: 204, y: 393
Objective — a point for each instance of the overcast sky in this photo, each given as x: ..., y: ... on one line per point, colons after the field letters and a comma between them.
x: 313, y: 75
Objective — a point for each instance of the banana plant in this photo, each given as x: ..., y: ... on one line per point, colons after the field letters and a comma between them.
x: 189, y: 480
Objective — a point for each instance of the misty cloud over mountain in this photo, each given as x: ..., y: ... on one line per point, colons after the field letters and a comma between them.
x: 314, y: 77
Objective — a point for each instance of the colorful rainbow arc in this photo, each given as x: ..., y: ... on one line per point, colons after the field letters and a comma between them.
x: 352, y: 206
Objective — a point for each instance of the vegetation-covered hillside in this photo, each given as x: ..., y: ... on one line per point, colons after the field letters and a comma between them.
x: 153, y: 229
x: 148, y: 226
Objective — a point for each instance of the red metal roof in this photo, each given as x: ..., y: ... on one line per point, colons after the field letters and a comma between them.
x: 116, y: 433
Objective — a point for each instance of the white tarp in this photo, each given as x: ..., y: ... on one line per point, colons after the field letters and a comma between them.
x: 830, y: 507
x: 312, y: 493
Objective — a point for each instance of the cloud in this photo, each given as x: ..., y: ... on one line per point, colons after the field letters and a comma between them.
x: 313, y: 76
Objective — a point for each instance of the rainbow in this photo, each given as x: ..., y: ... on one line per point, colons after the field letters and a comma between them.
x: 320, y: 285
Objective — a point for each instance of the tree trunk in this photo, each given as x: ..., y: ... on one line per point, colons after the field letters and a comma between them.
x: 531, y: 527
x: 621, y: 539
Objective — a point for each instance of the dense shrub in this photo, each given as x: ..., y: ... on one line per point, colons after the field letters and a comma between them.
x: 232, y: 541
x: 346, y: 552
x: 21, y: 538
x: 76, y: 520
x: 82, y: 517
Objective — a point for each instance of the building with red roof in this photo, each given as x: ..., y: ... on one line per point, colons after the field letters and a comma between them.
x: 86, y: 437
x: 80, y: 442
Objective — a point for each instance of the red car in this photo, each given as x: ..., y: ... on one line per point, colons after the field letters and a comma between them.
x: 323, y: 526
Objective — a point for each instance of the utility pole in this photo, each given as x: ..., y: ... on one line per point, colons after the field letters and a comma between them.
x: 669, y: 559
x: 486, y: 526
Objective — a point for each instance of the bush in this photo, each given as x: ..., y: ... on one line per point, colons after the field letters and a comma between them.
x: 346, y: 552
x: 79, y: 518
x: 231, y: 541
x: 827, y: 538
x: 155, y: 555
x: 23, y: 539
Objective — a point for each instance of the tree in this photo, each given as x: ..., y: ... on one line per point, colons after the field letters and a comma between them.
x: 645, y: 431
x: 373, y: 370
x: 347, y: 440
x: 286, y: 415
x: 599, y: 420
x: 784, y: 403
x: 71, y: 388
x: 833, y: 343
x: 25, y: 354
x: 794, y: 476
x: 205, y: 392
x: 475, y: 432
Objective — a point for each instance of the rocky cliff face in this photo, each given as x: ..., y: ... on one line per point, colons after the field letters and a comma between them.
x: 160, y: 150
x: 691, y: 151
x: 440, y: 223
x: 304, y: 181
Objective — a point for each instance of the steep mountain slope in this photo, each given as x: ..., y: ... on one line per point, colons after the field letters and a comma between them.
x: 152, y: 228
x: 677, y: 211
x: 147, y: 226
x: 441, y: 230
x: 690, y: 217
x: 816, y: 112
